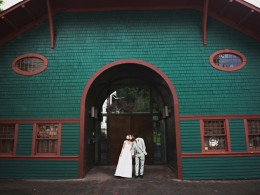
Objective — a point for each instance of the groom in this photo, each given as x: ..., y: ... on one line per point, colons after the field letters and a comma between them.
x: 139, y: 155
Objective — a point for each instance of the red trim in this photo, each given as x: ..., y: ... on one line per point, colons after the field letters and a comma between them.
x: 59, y: 139
x: 205, y: 17
x: 29, y: 55
x: 246, y: 134
x: 15, y: 138
x: 227, y: 135
x: 34, y: 140
x: 202, y: 136
x: 227, y: 51
x: 29, y: 121
x: 126, y: 8
x: 83, y: 101
x: 39, y: 158
x: 224, y: 154
x: 51, y: 23
x: 220, y: 117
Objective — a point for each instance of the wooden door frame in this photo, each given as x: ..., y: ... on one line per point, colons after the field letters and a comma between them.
x: 81, y: 168
x: 130, y: 129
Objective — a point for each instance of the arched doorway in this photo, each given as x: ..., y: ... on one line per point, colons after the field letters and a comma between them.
x: 130, y: 73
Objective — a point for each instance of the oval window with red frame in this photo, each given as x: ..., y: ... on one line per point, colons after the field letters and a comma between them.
x: 227, y: 60
x: 29, y: 64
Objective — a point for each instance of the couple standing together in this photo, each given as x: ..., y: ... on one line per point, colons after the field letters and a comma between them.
x: 132, y: 148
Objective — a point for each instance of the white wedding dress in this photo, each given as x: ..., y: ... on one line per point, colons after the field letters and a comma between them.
x: 124, y: 165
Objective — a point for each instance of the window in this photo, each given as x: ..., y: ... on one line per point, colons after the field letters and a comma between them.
x: 227, y: 60
x: 8, y: 135
x: 214, y: 135
x: 253, y: 127
x: 47, y: 139
x: 29, y: 64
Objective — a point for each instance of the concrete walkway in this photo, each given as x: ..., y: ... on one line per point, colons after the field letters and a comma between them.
x: 158, y: 180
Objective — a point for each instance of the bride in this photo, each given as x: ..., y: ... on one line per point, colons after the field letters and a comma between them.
x: 124, y: 165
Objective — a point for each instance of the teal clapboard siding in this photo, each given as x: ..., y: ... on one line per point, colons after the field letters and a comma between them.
x: 171, y: 40
x: 190, y: 136
x: 70, y: 140
x: 38, y: 169
x: 24, y: 140
x: 221, y: 168
x: 237, y: 135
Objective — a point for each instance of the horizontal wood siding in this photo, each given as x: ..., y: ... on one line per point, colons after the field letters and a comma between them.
x: 169, y: 39
x: 70, y: 140
x: 38, y: 169
x: 24, y: 140
x: 237, y: 135
x: 221, y: 168
x: 190, y: 136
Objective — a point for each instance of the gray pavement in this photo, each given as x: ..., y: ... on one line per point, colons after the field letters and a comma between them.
x: 158, y: 180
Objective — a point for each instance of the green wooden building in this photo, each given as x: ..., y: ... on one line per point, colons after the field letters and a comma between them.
x: 192, y: 66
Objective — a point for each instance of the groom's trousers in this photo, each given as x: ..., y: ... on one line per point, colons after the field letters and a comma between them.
x: 139, y: 164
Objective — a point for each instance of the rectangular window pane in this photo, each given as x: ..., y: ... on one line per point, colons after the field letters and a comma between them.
x: 254, y: 134
x: 214, y: 135
x: 7, y: 135
x: 6, y: 146
x: 47, y: 131
x: 47, y: 146
x: 47, y: 138
x: 215, y: 143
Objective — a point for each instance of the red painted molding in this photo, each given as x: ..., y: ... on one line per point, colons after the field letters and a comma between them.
x: 127, y: 8
x: 51, y: 23
x: 224, y: 154
x: 220, y: 117
x: 31, y: 121
x: 39, y: 158
x: 205, y: 17
x: 227, y: 51
x: 83, y: 111
x: 29, y: 55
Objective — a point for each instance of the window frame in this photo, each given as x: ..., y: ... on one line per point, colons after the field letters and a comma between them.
x: 247, y: 135
x: 34, y: 150
x: 15, y: 140
x: 29, y: 55
x: 227, y: 136
x: 228, y: 51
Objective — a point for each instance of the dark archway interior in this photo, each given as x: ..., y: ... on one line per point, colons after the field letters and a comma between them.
x: 130, y: 75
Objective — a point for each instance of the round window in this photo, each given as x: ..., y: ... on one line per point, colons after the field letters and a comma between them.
x: 29, y: 64
x: 227, y: 60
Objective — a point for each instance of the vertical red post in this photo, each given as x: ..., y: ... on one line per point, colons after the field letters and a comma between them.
x: 51, y: 23
x: 205, y: 16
